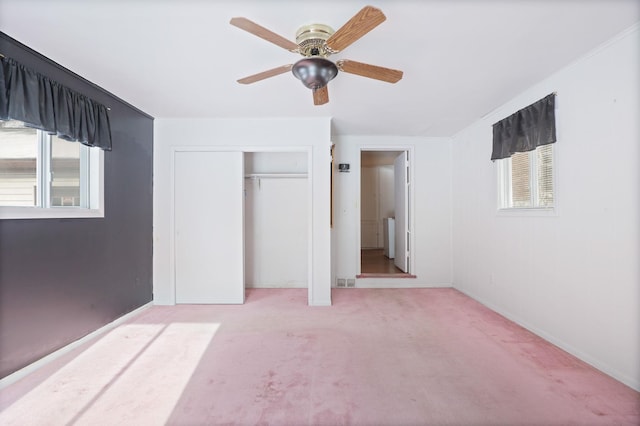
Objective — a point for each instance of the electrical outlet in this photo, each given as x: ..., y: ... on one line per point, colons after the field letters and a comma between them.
x: 340, y: 282
x: 351, y: 282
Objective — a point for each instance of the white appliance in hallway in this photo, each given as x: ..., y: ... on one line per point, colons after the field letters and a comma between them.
x: 389, y: 228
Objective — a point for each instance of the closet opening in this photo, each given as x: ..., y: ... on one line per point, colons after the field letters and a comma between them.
x: 276, y: 193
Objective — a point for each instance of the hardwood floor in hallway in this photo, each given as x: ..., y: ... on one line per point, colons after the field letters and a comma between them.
x: 375, y: 262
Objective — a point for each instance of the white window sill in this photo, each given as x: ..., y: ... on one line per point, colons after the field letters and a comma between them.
x: 527, y: 211
x: 49, y: 213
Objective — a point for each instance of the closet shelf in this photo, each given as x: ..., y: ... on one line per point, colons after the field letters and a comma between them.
x: 275, y: 175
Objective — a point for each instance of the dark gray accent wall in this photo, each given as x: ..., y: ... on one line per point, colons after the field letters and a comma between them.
x: 61, y: 279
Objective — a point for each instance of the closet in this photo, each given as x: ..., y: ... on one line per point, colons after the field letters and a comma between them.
x: 276, y: 220
x: 240, y: 220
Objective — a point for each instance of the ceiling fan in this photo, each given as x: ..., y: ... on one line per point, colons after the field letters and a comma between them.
x: 316, y: 42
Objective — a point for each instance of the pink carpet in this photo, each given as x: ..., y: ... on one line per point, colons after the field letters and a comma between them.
x: 376, y: 357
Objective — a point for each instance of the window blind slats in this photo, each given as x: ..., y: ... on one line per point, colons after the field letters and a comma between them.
x: 545, y: 176
x: 527, y: 179
x: 520, y: 177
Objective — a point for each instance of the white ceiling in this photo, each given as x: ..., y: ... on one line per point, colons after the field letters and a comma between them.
x: 461, y: 59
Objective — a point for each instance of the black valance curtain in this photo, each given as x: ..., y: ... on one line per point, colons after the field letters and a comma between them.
x: 525, y: 130
x: 44, y: 104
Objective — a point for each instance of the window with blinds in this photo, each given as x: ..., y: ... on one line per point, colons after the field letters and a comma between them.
x: 43, y: 176
x: 526, y: 179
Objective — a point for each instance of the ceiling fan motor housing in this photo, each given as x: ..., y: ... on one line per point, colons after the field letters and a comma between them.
x: 315, y: 72
x: 311, y: 40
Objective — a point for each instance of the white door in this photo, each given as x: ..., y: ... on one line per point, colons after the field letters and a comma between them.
x: 209, y: 224
x: 401, y: 191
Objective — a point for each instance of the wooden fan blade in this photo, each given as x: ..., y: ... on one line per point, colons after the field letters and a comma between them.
x: 321, y: 96
x: 262, y: 32
x: 362, y: 22
x: 371, y: 71
x: 265, y: 74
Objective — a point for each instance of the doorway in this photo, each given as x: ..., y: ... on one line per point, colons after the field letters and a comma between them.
x: 384, y: 213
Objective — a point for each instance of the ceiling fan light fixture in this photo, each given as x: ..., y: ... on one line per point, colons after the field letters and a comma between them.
x: 314, y: 72
x: 316, y: 42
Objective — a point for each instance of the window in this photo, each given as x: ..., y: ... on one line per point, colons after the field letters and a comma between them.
x: 44, y: 176
x: 526, y: 179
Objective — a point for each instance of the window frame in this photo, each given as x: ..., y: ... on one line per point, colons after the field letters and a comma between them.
x: 91, y: 184
x: 504, y: 187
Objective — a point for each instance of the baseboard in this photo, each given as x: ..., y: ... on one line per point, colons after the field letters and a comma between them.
x: 606, y: 369
x: 25, y: 371
x: 395, y: 283
x: 320, y: 302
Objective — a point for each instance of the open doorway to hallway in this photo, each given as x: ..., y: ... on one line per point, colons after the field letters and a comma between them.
x: 384, y: 213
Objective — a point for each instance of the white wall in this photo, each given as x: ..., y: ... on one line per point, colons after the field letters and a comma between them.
x: 275, y: 162
x: 310, y: 134
x: 276, y: 232
x: 386, y: 193
x: 431, y: 177
x: 379, y: 197
x: 587, y: 300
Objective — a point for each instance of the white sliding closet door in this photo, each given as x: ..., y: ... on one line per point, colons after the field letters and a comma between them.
x: 209, y: 227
